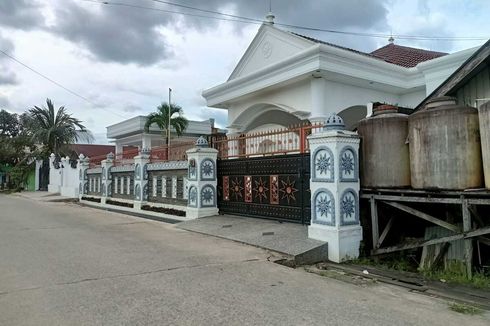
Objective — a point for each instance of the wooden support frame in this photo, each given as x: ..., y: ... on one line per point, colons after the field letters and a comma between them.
x: 424, y: 216
x: 422, y: 243
x: 399, y: 198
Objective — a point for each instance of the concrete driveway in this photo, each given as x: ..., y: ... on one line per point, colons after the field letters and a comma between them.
x: 62, y: 264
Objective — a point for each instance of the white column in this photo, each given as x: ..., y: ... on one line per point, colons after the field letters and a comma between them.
x: 128, y: 185
x: 154, y: 188
x: 233, y: 145
x: 83, y: 165
x: 335, y: 189
x: 119, y: 148
x: 116, y: 185
x: 141, y: 178
x: 107, y: 177
x: 202, y: 197
x: 318, y: 88
x: 145, y: 141
x: 174, y: 186
x: 164, y: 186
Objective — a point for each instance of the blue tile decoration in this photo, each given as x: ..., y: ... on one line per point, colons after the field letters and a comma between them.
x: 137, y: 191
x: 322, y: 165
x: 323, y: 207
x: 208, y: 196
x: 349, y: 207
x: 192, y: 201
x: 192, y: 169
x: 137, y: 172
x: 208, y: 170
x: 348, y: 165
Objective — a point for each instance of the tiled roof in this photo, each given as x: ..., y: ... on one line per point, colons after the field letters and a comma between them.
x: 405, y: 56
x: 396, y: 54
x: 92, y: 150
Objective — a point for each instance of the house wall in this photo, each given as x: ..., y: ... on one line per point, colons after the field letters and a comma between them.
x: 297, y: 99
x: 475, y: 88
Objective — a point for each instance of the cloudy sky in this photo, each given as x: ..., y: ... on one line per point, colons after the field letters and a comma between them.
x: 122, y: 59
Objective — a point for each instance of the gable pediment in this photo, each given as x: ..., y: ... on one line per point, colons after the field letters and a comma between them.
x: 269, y: 46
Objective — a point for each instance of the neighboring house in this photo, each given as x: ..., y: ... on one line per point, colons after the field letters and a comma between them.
x: 285, y: 78
x: 470, y: 83
x: 131, y: 132
x: 92, y: 150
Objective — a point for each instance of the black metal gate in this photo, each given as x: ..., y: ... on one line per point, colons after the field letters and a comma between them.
x: 44, y: 175
x: 275, y: 187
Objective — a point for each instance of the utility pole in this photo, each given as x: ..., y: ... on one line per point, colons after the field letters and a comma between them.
x: 169, y: 115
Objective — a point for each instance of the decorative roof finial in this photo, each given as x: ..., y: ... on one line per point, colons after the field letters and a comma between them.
x: 391, y: 40
x: 269, y: 19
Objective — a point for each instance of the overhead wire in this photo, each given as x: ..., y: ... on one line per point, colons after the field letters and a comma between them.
x: 56, y: 83
x: 249, y: 20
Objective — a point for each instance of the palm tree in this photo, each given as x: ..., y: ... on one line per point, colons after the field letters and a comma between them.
x: 161, y: 116
x: 56, y: 129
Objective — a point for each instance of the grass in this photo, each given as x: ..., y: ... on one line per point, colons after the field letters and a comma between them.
x: 465, y: 309
x: 479, y: 280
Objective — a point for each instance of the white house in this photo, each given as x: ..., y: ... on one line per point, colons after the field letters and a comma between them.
x: 131, y: 132
x: 284, y: 78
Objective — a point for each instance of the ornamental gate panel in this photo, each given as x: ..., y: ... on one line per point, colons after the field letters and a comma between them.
x: 274, y: 187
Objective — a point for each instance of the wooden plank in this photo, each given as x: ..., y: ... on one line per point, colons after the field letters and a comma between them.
x: 442, y: 252
x: 385, y: 232
x: 415, y: 199
x: 424, y: 216
x: 468, y: 243
x: 475, y: 214
x: 374, y: 222
x: 463, y: 235
x: 478, y: 201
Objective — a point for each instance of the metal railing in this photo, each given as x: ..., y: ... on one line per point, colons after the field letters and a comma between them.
x: 267, y: 143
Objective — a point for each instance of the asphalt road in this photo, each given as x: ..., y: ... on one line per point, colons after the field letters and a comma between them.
x: 62, y: 264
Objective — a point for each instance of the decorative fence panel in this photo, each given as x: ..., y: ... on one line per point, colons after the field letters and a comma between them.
x: 94, y: 185
x: 275, y: 187
x: 167, y: 182
x: 122, y: 182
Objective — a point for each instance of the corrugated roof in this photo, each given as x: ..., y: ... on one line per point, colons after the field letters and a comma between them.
x: 92, y: 150
x: 396, y: 54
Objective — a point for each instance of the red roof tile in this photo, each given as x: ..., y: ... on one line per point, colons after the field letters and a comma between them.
x: 396, y: 54
x: 92, y: 150
x: 405, y: 56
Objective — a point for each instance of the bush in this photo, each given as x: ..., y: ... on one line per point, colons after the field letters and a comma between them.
x: 118, y: 203
x: 95, y: 200
x: 164, y: 210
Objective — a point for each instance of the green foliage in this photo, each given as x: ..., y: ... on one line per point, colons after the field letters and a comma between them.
x: 465, y: 309
x: 19, y: 174
x: 455, y: 273
x: 55, y: 129
x: 160, y: 118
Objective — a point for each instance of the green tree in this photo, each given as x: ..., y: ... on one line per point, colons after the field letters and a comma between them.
x: 160, y: 118
x: 55, y: 129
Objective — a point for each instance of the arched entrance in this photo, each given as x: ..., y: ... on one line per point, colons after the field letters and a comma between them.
x: 352, y: 115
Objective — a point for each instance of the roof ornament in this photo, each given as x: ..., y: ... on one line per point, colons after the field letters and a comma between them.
x: 334, y: 122
x: 269, y: 19
x: 202, y: 142
x: 391, y: 40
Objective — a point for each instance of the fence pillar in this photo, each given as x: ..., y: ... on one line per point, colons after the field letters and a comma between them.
x: 106, y: 175
x: 83, y: 165
x: 54, y: 174
x: 202, y: 195
x: 335, y: 189
x: 141, y: 177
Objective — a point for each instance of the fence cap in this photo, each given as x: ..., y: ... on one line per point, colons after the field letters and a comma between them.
x: 202, y: 142
x: 334, y: 122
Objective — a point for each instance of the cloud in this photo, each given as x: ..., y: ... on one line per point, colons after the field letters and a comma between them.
x: 131, y: 108
x: 8, y: 77
x: 4, y: 102
x: 113, y: 34
x: 21, y: 14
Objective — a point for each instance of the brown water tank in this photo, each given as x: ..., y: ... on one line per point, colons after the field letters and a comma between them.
x: 384, y: 151
x: 484, y: 117
x: 444, y: 146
